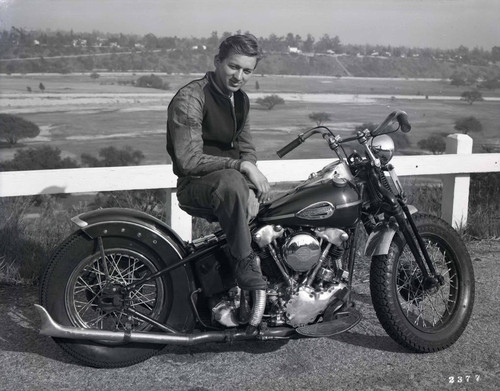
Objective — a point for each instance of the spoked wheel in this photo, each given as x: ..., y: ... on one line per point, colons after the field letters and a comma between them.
x: 80, y: 288
x: 420, y: 318
x: 93, y: 300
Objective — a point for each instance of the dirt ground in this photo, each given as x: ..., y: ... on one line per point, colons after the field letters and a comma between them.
x: 364, y: 358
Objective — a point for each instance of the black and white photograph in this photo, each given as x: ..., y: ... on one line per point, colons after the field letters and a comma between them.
x: 216, y: 195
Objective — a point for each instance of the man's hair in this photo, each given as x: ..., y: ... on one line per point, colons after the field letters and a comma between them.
x: 244, y: 44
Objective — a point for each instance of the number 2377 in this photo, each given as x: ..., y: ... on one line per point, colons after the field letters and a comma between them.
x: 463, y: 379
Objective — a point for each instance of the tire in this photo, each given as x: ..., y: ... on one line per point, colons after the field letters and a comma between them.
x: 72, y: 293
x: 424, y: 321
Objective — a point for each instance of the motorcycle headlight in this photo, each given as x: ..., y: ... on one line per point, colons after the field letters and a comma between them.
x: 383, y: 148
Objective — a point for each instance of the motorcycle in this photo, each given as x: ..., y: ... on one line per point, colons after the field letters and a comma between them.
x: 124, y: 285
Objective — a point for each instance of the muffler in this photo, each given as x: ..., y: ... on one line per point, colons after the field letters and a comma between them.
x: 51, y: 328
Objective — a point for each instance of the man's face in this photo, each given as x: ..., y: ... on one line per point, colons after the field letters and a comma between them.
x: 233, y: 72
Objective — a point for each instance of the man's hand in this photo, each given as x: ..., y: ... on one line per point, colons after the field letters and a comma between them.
x: 257, y: 178
x: 253, y: 205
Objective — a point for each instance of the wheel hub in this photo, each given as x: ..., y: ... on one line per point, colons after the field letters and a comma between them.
x: 112, y: 298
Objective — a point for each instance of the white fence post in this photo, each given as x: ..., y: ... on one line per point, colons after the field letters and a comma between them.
x: 455, y: 201
x: 180, y: 221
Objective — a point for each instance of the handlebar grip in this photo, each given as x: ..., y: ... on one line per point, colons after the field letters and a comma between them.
x: 289, y: 147
x: 403, y: 122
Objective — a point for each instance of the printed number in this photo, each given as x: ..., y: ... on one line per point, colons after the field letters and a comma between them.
x: 462, y: 379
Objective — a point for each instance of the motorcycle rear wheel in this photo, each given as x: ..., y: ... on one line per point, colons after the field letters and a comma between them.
x: 75, y: 292
x: 424, y: 321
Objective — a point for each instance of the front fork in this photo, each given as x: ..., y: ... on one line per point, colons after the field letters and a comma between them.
x: 404, y: 219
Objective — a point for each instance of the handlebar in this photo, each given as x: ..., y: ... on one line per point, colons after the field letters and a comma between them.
x: 400, y: 116
x: 289, y: 147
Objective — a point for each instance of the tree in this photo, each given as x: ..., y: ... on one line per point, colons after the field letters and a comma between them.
x: 113, y: 157
x: 495, y: 53
x: 257, y: 85
x: 468, y: 124
x: 152, y: 81
x: 308, y: 45
x: 41, y: 86
x: 13, y: 128
x: 270, y: 101
x: 457, y: 80
x: 490, y: 84
x: 41, y: 158
x: 435, y: 144
x: 320, y: 117
x: 471, y: 96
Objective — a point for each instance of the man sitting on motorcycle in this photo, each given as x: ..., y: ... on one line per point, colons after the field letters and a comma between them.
x: 209, y: 141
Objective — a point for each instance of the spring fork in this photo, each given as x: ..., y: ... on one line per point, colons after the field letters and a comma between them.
x: 422, y: 246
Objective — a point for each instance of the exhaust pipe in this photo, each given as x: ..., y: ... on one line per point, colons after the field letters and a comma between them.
x: 51, y: 328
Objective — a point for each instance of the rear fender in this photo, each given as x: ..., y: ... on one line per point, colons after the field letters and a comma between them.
x: 155, y: 235
x: 132, y: 224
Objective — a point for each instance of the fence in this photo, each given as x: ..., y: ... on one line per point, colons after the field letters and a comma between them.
x: 454, y: 167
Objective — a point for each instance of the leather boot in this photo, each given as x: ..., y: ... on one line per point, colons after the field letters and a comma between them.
x: 248, y: 274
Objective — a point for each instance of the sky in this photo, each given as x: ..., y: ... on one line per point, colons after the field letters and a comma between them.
x: 415, y: 23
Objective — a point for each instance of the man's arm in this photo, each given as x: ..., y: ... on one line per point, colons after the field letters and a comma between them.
x: 184, y: 126
x: 247, y: 148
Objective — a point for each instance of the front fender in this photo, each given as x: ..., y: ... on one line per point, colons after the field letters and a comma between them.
x: 380, y: 239
x: 133, y: 224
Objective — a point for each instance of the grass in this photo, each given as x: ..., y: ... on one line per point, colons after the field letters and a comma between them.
x: 26, y: 241
x: 144, y: 126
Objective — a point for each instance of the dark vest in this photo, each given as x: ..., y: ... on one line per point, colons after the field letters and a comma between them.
x: 221, y: 124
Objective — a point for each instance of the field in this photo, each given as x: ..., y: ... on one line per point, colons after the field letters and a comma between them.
x: 78, y: 114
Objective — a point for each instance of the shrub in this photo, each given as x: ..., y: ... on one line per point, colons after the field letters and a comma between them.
x: 28, y: 238
x: 320, y: 117
x: 270, y: 101
x: 468, y: 124
x: 435, y: 144
x: 114, y: 157
x: 14, y: 128
x: 471, y: 96
x: 152, y: 81
x: 41, y: 158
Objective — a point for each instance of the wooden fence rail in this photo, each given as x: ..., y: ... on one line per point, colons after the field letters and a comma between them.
x: 454, y: 167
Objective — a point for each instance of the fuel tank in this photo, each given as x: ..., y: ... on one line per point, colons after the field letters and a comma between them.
x: 329, y: 198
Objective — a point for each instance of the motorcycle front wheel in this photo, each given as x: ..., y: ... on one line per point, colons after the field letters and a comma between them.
x: 81, y: 289
x: 419, y: 319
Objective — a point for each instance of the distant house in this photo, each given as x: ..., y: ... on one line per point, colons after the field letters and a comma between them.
x: 82, y: 43
x: 292, y: 49
x: 36, y: 42
x: 330, y: 51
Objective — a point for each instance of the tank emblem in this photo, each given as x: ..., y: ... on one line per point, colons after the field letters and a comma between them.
x: 318, y: 211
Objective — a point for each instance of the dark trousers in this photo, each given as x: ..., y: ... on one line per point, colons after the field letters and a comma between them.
x: 224, y: 194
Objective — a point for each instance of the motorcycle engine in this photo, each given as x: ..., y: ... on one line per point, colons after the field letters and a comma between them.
x: 301, y: 251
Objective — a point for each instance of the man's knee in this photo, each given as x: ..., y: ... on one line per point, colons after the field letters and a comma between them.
x: 232, y: 183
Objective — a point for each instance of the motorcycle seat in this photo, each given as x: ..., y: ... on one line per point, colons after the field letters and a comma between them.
x: 204, y: 213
